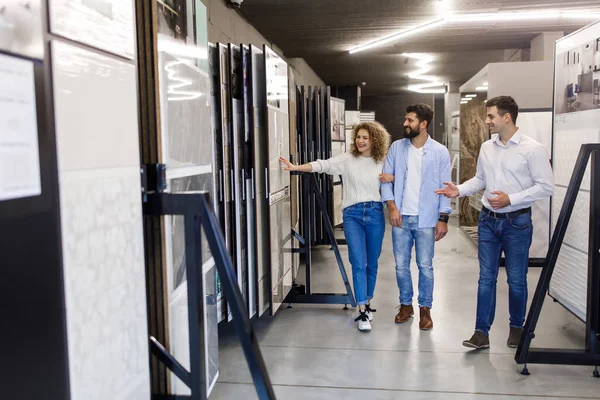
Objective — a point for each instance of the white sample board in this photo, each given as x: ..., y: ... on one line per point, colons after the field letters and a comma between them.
x: 19, y: 151
x: 576, y: 122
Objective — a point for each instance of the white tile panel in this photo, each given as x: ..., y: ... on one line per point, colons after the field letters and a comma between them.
x: 103, y: 258
x: 95, y: 102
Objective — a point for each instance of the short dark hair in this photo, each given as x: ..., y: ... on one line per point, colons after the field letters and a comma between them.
x: 505, y: 105
x: 423, y: 112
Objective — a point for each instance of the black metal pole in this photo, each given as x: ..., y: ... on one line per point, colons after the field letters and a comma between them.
x: 306, y: 192
x: 336, y: 250
x: 193, y: 261
x: 246, y: 334
x: 552, y: 256
x: 593, y: 295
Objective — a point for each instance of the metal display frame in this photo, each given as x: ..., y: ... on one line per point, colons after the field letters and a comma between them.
x: 303, y: 293
x: 198, y: 216
x: 591, y: 354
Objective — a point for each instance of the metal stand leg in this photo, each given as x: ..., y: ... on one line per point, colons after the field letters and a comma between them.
x: 596, y: 374
x: 345, y: 306
x: 525, y: 371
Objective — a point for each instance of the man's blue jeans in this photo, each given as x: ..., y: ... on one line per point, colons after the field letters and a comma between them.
x: 364, y: 227
x: 513, y: 236
x: 424, y: 240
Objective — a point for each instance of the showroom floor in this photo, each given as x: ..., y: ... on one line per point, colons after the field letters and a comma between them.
x: 316, y: 352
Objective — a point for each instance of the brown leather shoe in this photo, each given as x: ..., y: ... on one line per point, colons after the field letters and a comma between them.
x: 404, y: 314
x: 425, y: 322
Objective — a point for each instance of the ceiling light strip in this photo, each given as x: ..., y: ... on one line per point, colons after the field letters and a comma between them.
x: 482, y: 17
x: 420, y: 28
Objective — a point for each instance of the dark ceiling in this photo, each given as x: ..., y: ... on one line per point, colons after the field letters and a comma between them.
x: 323, y: 31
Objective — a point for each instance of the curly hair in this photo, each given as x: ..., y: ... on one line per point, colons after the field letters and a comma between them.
x: 379, y: 136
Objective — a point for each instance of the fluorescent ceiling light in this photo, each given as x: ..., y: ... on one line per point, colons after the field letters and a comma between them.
x: 471, y: 95
x: 466, y: 99
x: 520, y: 16
x: 463, y: 102
x: 423, y: 65
x: 481, y: 17
x: 429, y: 87
x: 419, y: 28
x: 481, y: 88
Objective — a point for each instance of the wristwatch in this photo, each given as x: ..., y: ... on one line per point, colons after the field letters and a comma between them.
x: 444, y: 218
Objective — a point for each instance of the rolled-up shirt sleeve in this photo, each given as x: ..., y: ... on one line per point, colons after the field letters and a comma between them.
x: 542, y: 176
x: 445, y: 176
x: 331, y: 166
x: 387, y: 189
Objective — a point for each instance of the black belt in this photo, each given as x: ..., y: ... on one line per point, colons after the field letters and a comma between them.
x: 506, y: 215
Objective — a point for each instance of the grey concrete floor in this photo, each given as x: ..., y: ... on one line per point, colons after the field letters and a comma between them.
x: 316, y: 352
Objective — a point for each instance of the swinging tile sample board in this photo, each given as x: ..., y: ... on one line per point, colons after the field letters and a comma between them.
x: 278, y: 179
x: 226, y: 154
x: 236, y: 98
x: 215, y: 100
x: 184, y: 85
x: 261, y: 174
x: 248, y: 150
x: 576, y: 122
x: 101, y: 221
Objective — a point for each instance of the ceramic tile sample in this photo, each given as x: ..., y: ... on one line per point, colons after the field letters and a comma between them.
x: 211, y: 333
x: 579, y: 224
x: 250, y: 190
x: 185, y: 113
x: 105, y: 24
x: 278, y: 129
x: 21, y: 28
x: 236, y: 98
x: 85, y: 82
x: 540, y: 217
x: 281, y: 250
x: 279, y: 180
x: 215, y: 101
x: 567, y: 144
x: 261, y: 178
x: 569, y: 280
x: 103, y: 252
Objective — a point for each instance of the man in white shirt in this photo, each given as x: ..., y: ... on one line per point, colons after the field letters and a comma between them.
x: 515, y: 171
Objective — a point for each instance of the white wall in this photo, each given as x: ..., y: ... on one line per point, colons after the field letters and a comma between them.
x: 529, y: 83
x: 542, y: 46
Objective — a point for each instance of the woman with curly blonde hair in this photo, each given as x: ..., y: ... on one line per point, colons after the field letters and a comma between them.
x: 364, y: 223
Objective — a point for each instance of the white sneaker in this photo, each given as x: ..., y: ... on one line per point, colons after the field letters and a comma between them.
x: 363, y: 321
x: 370, y: 312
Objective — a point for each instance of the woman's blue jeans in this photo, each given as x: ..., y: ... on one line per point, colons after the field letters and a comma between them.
x: 364, y: 227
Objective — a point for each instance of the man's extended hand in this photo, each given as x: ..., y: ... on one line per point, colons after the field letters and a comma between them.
x: 441, y: 229
x: 500, y: 201
x: 451, y: 190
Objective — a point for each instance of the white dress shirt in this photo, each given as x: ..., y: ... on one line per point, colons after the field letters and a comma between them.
x: 521, y: 169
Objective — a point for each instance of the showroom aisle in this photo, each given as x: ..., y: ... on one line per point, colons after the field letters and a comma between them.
x: 315, y: 352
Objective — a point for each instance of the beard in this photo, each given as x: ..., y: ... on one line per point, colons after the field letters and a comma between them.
x: 410, y: 133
